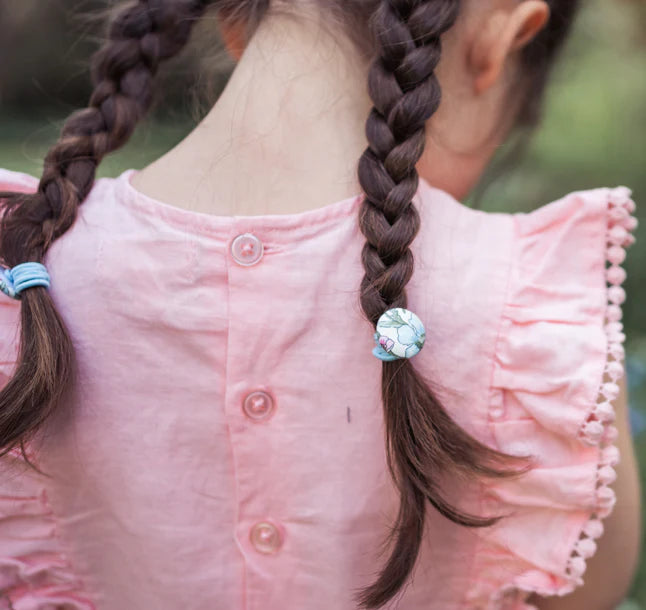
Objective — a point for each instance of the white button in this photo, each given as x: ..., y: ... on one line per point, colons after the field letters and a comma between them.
x: 258, y: 405
x: 265, y: 537
x: 246, y: 249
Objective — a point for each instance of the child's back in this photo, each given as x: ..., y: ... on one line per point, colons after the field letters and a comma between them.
x: 200, y: 382
x: 224, y: 436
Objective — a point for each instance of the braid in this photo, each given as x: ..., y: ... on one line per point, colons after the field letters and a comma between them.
x: 405, y: 93
x: 140, y: 36
x: 422, y: 441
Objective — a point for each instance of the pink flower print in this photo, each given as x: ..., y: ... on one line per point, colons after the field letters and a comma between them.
x: 386, y: 343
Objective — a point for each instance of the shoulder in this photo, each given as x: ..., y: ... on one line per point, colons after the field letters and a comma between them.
x: 562, y: 251
x: 95, y: 210
x: 580, y: 217
x: 12, y: 180
x: 17, y: 181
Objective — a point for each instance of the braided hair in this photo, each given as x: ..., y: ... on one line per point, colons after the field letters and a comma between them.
x: 404, y: 43
x: 421, y: 438
x: 122, y: 71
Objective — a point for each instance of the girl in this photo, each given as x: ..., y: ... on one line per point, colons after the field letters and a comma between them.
x: 218, y: 392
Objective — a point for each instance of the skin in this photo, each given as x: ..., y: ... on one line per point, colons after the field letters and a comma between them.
x: 285, y: 136
x: 287, y: 131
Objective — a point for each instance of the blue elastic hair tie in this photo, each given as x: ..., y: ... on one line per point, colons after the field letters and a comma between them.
x: 25, y: 275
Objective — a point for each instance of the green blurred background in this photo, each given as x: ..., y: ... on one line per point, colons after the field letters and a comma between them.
x: 593, y: 134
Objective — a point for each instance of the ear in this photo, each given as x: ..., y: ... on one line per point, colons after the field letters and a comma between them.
x: 232, y: 35
x: 504, y: 32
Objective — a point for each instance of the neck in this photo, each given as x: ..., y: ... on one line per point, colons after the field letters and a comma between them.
x: 284, y: 136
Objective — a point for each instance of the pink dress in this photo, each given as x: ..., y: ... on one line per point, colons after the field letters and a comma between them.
x: 223, y: 448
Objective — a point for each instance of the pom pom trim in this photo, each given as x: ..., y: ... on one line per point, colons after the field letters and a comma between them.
x: 598, y: 429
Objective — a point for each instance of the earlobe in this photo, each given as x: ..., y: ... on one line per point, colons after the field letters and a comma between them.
x: 503, y: 33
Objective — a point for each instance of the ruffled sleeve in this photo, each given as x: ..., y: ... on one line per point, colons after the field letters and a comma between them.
x: 35, y: 572
x: 556, y: 364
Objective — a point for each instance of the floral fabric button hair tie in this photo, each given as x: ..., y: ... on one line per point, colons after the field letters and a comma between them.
x: 400, y: 334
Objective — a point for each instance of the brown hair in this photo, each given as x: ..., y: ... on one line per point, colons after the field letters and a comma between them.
x: 403, y: 41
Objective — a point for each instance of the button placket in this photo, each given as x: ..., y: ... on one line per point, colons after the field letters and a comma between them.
x: 258, y: 529
x: 265, y: 536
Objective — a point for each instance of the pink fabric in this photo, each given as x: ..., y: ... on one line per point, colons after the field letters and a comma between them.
x: 159, y: 475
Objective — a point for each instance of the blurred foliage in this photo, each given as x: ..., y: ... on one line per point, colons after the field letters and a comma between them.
x: 45, y: 49
x: 592, y: 134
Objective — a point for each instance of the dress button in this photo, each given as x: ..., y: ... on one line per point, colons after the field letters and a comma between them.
x: 258, y: 405
x: 246, y: 249
x: 265, y: 537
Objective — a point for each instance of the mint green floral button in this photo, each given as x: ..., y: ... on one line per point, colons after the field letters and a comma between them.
x: 400, y: 334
